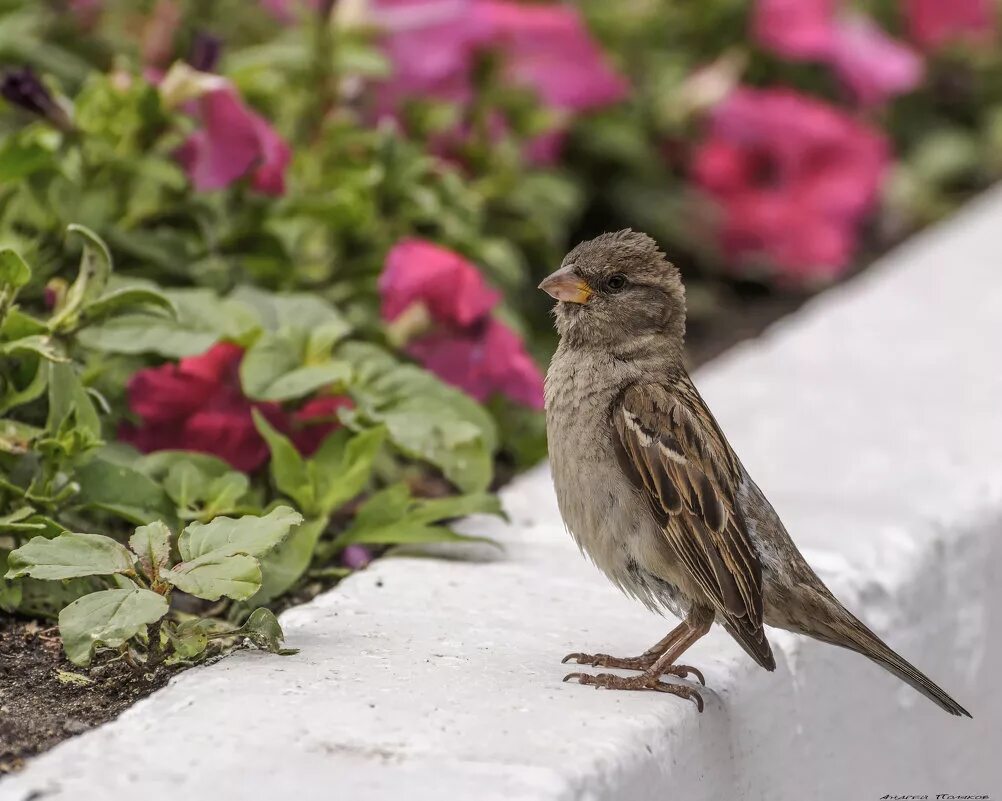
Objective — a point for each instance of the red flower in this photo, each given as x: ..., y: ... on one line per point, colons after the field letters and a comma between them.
x: 198, y: 405
x: 933, y: 23
x: 468, y: 347
x: 234, y: 141
x: 794, y: 177
x: 872, y: 65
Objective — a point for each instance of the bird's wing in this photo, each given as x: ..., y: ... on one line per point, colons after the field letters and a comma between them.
x: 674, y: 453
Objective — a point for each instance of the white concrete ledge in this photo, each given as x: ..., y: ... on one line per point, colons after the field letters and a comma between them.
x: 873, y: 419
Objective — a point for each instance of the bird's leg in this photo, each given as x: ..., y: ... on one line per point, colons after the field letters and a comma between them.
x: 645, y: 660
x: 650, y: 679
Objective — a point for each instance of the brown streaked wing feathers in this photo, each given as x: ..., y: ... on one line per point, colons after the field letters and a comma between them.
x: 672, y: 450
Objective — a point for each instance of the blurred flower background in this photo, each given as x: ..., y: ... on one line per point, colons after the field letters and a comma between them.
x: 349, y: 202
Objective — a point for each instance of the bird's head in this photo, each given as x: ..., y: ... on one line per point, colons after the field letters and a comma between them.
x: 618, y: 292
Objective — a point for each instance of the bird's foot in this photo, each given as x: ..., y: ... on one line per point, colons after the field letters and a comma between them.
x: 644, y: 662
x: 642, y: 682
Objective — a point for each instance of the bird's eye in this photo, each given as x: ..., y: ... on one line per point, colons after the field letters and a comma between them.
x: 615, y: 283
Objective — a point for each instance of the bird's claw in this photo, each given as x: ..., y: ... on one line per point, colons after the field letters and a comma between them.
x: 643, y: 682
x: 684, y: 671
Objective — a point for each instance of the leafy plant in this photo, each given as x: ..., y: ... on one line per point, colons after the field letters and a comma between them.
x: 215, y: 559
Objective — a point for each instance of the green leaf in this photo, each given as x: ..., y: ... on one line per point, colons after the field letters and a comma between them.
x: 109, y: 618
x: 10, y: 591
x: 189, y: 639
x: 250, y: 534
x: 39, y: 345
x: 425, y: 418
x: 19, y: 160
x: 291, y: 311
x: 212, y: 576
x: 302, y: 381
x: 69, y: 556
x: 185, y: 483
x: 203, y: 318
x: 283, y: 567
x: 13, y: 270
x: 67, y: 395
x: 288, y: 468
x: 341, y: 474
x: 151, y: 544
x: 224, y: 493
x: 95, y: 270
x: 116, y: 301
x: 263, y: 629
x: 392, y: 517
x: 274, y: 369
x: 435, y: 509
x: 123, y: 491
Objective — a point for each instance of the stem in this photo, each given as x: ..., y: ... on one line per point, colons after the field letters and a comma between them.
x: 155, y: 652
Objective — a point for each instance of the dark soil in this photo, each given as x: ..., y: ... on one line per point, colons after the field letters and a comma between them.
x: 38, y: 709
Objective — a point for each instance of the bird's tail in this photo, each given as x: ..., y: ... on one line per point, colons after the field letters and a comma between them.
x: 849, y: 632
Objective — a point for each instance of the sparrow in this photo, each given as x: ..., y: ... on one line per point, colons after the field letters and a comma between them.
x: 653, y: 493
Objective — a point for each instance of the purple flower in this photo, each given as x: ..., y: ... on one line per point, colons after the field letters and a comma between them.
x: 24, y: 89
x: 233, y: 142
x: 205, y: 52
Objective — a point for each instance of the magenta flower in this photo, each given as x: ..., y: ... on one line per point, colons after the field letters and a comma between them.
x: 547, y: 48
x: 793, y: 177
x: 450, y: 288
x: 285, y: 10
x: 486, y: 360
x: 795, y: 29
x: 431, y: 45
x: 872, y: 65
x: 934, y: 23
x: 869, y: 63
x: 466, y: 346
x: 234, y: 142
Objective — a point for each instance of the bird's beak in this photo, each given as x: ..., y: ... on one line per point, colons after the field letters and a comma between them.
x: 566, y: 285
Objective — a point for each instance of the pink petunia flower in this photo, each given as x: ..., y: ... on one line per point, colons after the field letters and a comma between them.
x: 233, y: 142
x: 547, y: 48
x: 489, y: 359
x: 452, y: 289
x: 872, y: 65
x: 793, y: 177
x: 198, y: 405
x: 467, y: 346
x: 796, y: 29
x: 934, y: 23
x: 433, y: 46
